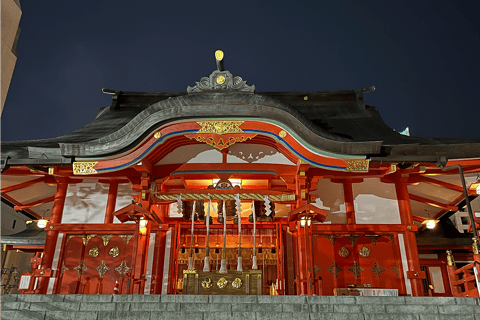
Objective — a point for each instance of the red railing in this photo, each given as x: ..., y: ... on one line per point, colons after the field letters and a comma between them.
x: 463, y: 281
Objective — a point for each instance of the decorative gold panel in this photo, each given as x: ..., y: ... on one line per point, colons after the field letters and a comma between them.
x: 334, y: 270
x: 357, y: 165
x: 216, y: 283
x: 106, y: 238
x: 84, y: 167
x: 220, y: 126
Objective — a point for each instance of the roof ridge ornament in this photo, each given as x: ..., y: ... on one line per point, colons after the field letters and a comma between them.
x: 221, y: 80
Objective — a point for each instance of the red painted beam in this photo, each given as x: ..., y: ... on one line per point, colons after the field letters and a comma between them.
x: 22, y: 185
x: 34, y: 203
x: 439, y: 183
x: 433, y: 203
x: 419, y: 219
x: 15, y: 202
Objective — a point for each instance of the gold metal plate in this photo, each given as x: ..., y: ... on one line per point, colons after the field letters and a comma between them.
x: 237, y: 283
x: 222, y: 283
x: 343, y: 252
x: 219, y: 55
x: 84, y: 167
x: 114, y: 252
x: 93, y: 252
x: 365, y: 252
x: 220, y: 79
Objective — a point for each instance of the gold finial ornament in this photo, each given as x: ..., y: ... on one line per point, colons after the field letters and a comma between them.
x: 475, y: 246
x: 220, y: 79
x: 450, y: 260
x: 219, y: 55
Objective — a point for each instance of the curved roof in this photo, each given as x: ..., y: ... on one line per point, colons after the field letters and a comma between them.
x: 336, y: 121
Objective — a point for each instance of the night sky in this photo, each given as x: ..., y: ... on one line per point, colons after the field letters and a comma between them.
x: 422, y: 56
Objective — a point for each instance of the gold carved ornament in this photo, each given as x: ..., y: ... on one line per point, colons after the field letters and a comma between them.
x: 357, y: 165
x: 222, y: 283
x: 93, y: 252
x: 365, y: 252
x: 237, y: 283
x: 220, y: 127
x: 114, y: 252
x: 282, y: 134
x: 81, y: 268
x: 377, y: 270
x: 334, y: 270
x: 80, y: 168
x: 355, y: 269
x: 106, y: 238
x: 343, y: 252
x: 102, y: 268
x: 86, y: 238
x: 207, y: 283
x: 126, y: 238
x: 64, y: 268
x: 122, y: 269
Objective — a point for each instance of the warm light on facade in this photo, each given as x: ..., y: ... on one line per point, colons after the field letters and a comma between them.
x: 42, y: 223
x: 430, y: 224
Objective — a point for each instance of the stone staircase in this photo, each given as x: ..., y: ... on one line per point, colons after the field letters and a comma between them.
x: 191, y: 307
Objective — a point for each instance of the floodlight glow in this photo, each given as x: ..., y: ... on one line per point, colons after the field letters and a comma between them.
x: 431, y: 224
x: 42, y: 223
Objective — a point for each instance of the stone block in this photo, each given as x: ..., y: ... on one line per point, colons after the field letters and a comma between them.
x: 55, y: 306
x: 243, y: 315
x: 8, y: 297
x: 385, y: 316
x: 295, y: 307
x: 295, y: 316
x: 22, y: 315
x: 70, y: 315
x: 217, y: 315
x: 436, y: 316
x: 97, y: 306
x: 341, y: 300
x: 459, y: 300
x: 380, y: 300
x: 16, y: 305
x: 456, y: 309
x: 429, y: 300
x: 206, y: 307
x: 320, y: 308
x: 135, y: 298
x: 318, y: 299
x: 412, y: 308
x: 268, y: 315
x: 160, y: 306
x: 373, y: 308
x: 40, y: 297
x: 257, y: 307
x: 232, y: 299
x: 336, y: 316
x: 124, y: 315
x: 167, y: 298
x: 190, y: 298
x: 347, y: 308
x: 159, y: 315
x: 122, y: 306
x: 281, y: 299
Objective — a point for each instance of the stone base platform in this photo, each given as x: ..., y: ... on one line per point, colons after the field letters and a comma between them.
x: 196, y: 307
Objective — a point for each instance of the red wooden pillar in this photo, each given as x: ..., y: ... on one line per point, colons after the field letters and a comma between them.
x: 45, y: 271
x: 111, y: 201
x: 414, y: 273
x: 349, y: 206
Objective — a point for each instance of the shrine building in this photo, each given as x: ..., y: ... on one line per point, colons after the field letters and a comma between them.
x: 225, y: 190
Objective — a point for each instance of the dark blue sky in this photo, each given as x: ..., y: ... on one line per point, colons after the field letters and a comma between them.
x: 422, y: 56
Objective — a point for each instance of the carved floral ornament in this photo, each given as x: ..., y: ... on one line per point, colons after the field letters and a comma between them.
x: 220, y: 134
x: 221, y: 81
